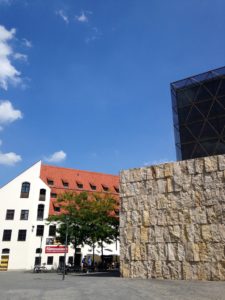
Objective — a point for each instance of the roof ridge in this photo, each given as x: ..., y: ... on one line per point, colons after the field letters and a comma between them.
x: 78, y: 170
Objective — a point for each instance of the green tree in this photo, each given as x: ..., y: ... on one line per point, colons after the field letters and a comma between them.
x: 89, y: 218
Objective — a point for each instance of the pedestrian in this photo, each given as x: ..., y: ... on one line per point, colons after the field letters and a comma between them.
x: 84, y: 262
x: 89, y: 263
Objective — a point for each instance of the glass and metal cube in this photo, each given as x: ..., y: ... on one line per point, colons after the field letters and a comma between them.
x: 198, y: 105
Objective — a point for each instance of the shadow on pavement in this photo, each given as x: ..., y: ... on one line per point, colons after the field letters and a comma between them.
x: 114, y: 273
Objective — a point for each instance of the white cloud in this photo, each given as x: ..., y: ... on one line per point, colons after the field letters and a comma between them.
x: 27, y: 43
x: 82, y: 18
x: 8, y: 114
x: 63, y: 15
x: 156, y: 162
x: 56, y: 157
x: 20, y: 56
x: 9, y: 159
x: 8, y: 73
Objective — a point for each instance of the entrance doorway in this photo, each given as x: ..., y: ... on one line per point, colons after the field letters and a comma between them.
x: 4, y: 262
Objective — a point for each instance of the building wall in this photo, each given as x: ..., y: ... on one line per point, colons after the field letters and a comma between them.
x: 22, y: 253
x: 172, y: 220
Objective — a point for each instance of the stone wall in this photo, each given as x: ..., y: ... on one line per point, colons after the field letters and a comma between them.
x: 172, y: 220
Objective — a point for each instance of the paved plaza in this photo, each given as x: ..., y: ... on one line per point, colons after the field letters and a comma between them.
x: 49, y: 286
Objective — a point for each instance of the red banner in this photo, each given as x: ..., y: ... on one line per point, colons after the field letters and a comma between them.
x: 56, y: 249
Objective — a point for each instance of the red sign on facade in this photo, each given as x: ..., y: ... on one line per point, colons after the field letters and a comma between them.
x: 56, y: 249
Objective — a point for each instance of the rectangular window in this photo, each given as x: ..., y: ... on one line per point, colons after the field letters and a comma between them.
x: 10, y: 214
x: 7, y: 235
x: 56, y: 208
x: 24, y: 214
x: 53, y: 195
x: 50, y: 181
x: 37, y: 261
x: 70, y: 260
x: 50, y: 241
x: 22, y: 235
x: 40, y: 230
x: 52, y: 230
x: 50, y: 260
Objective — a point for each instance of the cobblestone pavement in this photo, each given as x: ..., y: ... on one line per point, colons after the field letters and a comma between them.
x: 49, y: 286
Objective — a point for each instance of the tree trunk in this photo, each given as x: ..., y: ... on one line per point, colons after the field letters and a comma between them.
x: 102, y: 252
x: 93, y: 254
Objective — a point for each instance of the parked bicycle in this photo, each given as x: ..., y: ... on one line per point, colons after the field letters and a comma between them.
x: 40, y: 268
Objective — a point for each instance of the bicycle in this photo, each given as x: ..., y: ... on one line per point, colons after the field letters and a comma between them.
x: 39, y: 269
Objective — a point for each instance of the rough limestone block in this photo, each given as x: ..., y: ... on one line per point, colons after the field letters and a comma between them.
x: 204, y: 253
x: 206, y: 233
x: 153, y: 252
x: 168, y: 170
x: 175, y: 270
x: 144, y: 234
x: 210, y: 163
x: 162, y: 186
x: 199, y: 165
x: 125, y: 269
x: 171, y: 252
x: 221, y: 162
x: 169, y: 185
x: 159, y: 231
x: 158, y: 171
x: 191, y: 166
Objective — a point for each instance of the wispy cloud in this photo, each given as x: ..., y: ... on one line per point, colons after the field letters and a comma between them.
x: 8, y: 73
x: 83, y: 17
x: 94, y: 34
x: 63, y: 15
x: 56, y: 157
x: 27, y: 43
x: 20, y: 56
x: 8, y: 114
x: 156, y: 162
x: 9, y: 159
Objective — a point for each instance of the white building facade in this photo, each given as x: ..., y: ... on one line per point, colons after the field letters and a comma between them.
x: 26, y: 237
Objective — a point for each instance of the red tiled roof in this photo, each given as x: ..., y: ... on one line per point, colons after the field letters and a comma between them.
x: 72, y: 177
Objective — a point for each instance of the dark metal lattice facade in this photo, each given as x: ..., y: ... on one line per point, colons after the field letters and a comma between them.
x: 198, y: 106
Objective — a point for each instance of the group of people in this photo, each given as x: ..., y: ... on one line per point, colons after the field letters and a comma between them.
x: 86, y: 262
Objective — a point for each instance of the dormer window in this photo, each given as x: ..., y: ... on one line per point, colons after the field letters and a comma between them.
x: 79, y: 184
x: 116, y: 189
x: 93, y: 186
x: 105, y: 188
x: 50, y: 181
x: 25, y: 189
x: 65, y: 184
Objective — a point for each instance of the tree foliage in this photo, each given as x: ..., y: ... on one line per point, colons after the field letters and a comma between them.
x: 89, y: 218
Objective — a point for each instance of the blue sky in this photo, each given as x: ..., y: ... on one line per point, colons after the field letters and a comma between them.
x: 86, y: 84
